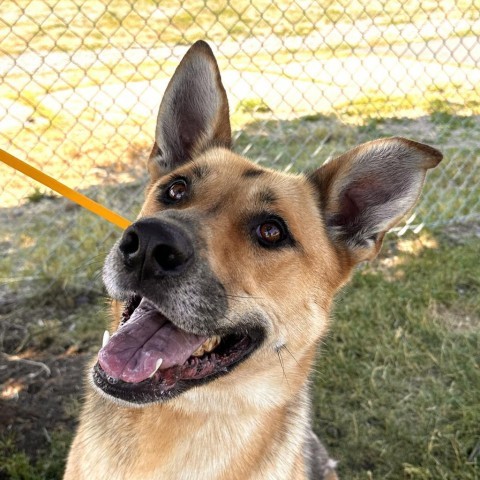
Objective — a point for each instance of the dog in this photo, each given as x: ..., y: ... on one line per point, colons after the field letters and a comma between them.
x: 222, y: 289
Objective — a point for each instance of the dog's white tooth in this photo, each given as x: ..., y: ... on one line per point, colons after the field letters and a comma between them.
x: 158, y: 364
x: 106, y: 338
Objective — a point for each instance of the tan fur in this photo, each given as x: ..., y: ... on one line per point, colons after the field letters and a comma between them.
x: 250, y: 424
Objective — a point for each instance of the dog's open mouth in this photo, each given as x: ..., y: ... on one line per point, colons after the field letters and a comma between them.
x: 149, y: 358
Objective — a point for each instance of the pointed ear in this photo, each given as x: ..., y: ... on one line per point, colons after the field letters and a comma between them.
x: 366, y: 191
x: 193, y: 114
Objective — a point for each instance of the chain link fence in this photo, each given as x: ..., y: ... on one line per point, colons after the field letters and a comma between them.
x: 81, y: 82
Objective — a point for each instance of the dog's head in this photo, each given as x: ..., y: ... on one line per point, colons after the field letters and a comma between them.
x: 230, y: 264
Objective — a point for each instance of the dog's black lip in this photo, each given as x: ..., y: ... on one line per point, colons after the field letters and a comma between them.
x: 152, y: 390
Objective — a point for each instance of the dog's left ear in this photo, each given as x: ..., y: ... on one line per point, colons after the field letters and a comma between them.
x: 366, y: 191
x: 193, y: 114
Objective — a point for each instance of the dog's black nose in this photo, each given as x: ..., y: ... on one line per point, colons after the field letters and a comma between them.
x: 156, y: 248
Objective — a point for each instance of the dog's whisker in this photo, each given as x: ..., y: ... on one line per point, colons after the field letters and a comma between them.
x: 291, y: 354
x: 280, y: 358
x: 247, y: 297
x: 84, y: 266
x: 97, y: 259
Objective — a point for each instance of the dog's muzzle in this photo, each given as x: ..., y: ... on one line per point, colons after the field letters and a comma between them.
x: 175, y: 332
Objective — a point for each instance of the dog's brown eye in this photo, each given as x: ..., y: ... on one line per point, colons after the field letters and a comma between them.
x: 270, y: 233
x: 177, y: 190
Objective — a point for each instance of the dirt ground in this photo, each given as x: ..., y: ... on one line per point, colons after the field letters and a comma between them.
x: 42, y: 370
x: 40, y: 392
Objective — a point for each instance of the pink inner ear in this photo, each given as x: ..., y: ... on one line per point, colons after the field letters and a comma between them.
x: 367, y: 190
x: 354, y: 215
x: 362, y: 194
x: 349, y: 209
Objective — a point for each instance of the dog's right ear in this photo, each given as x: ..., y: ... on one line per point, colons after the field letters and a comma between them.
x: 193, y: 114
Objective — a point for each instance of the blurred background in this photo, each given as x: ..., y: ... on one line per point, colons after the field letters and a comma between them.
x: 81, y: 83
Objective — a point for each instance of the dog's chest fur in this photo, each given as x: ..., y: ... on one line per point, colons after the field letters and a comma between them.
x: 229, y: 441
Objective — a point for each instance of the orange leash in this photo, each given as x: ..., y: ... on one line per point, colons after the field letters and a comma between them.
x: 62, y: 189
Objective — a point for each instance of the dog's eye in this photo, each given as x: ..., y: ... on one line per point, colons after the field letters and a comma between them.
x: 271, y: 233
x: 176, y: 191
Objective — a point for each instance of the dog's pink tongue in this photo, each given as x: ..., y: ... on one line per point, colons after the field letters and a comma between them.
x: 132, y: 352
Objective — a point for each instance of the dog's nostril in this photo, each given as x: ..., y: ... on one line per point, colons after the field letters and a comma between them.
x: 168, y: 257
x: 129, y: 243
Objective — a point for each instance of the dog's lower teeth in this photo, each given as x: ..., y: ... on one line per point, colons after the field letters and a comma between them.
x: 207, y: 346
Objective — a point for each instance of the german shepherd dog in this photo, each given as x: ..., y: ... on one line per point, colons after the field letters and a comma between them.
x: 222, y: 290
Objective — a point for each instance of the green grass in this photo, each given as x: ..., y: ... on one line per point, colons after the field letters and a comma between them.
x: 253, y: 105
x: 49, y: 465
x: 38, y: 194
x: 62, y: 246
x: 445, y: 104
x: 397, y: 393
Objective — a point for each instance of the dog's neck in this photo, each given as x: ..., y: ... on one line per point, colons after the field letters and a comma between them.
x: 248, y: 433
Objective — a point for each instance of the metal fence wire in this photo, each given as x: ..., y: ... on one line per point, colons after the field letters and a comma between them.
x: 81, y: 82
